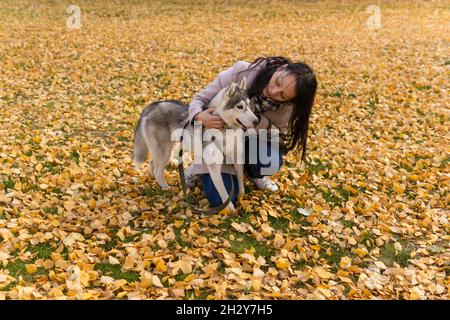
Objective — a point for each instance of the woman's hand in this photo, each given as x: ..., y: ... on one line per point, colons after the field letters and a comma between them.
x: 209, y: 120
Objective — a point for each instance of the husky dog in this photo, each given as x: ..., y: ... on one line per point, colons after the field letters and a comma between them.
x: 160, y: 119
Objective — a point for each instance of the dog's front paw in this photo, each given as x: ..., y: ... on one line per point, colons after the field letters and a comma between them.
x: 228, y: 210
x: 164, y: 186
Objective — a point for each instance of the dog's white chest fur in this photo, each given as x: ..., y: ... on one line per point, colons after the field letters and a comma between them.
x: 224, y: 146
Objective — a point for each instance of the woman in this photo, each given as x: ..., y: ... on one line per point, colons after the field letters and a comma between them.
x: 282, y: 95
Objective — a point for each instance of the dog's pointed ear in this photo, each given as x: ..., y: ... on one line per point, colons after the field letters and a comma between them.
x: 231, y: 89
x: 243, y: 83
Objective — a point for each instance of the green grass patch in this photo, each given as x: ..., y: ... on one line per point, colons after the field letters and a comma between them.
x: 420, y: 112
x: 367, y: 238
x: 389, y: 255
x: 348, y: 223
x: 42, y: 250
x: 17, y: 269
x: 245, y: 217
x: 337, y: 253
x: 279, y: 223
x: 32, y: 186
x: 51, y: 210
x: 337, y: 94
x: 181, y: 276
x: 372, y: 102
x: 52, y: 167
x: 57, y: 190
x: 344, y: 193
x: 244, y: 242
x: 300, y: 265
x: 154, y: 191
x: 9, y: 286
x: 221, y: 266
x: 28, y: 153
x: 8, y: 184
x: 421, y: 87
x: 138, y: 236
x: 179, y: 239
x: 129, y: 238
x: 156, y: 247
x: 109, y: 245
x: 49, y: 106
x: 115, y: 272
x: 339, y: 195
x: 124, y: 139
x: 316, y: 166
x: 331, y: 199
x: 445, y: 162
x: 75, y: 156
x: 298, y: 217
x: 366, y: 77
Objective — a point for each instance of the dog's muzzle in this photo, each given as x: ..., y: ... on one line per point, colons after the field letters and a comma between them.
x: 242, y: 125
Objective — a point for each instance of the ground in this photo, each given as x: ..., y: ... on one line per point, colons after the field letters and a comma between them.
x: 364, y: 217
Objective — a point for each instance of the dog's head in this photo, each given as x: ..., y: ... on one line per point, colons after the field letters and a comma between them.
x: 235, y: 109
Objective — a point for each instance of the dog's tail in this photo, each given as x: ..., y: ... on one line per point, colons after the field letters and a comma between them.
x: 140, y: 150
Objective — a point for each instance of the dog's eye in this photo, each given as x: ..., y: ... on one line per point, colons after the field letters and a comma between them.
x: 240, y: 107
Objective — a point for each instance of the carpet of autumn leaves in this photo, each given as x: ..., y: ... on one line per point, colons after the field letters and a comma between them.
x: 365, y: 217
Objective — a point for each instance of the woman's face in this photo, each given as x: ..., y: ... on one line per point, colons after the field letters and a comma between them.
x: 281, y: 86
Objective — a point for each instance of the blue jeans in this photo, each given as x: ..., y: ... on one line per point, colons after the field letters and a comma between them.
x: 255, y: 170
x: 210, y: 190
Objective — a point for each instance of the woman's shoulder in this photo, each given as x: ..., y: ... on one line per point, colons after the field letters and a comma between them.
x: 241, y: 69
x: 243, y: 65
x: 240, y: 66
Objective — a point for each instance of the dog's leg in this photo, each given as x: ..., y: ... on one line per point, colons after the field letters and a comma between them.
x: 140, y: 145
x: 145, y: 133
x: 160, y: 156
x: 150, y: 168
x: 216, y: 177
x: 240, y: 177
x: 160, y: 160
x: 239, y: 160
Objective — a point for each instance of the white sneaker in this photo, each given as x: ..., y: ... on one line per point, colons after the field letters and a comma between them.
x: 265, y: 184
x: 189, y: 177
